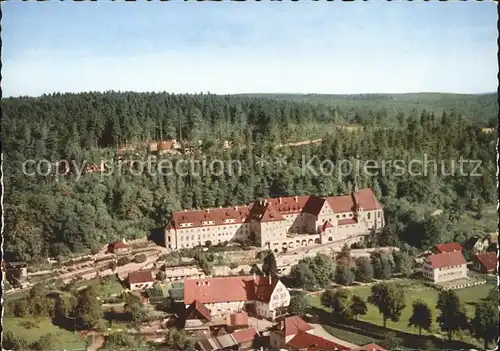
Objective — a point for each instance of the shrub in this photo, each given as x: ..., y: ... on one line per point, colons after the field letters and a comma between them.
x: 140, y: 258
x: 122, y: 261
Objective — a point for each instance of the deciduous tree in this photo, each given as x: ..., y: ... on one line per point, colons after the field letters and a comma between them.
x: 452, y: 316
x: 389, y: 299
x: 421, y: 316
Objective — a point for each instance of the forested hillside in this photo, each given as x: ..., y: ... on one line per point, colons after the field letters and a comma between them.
x: 481, y: 109
x: 45, y: 217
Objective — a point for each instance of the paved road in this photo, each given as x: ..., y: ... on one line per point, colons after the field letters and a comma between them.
x: 321, y: 332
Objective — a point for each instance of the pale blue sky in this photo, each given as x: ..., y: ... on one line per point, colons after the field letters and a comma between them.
x: 233, y: 47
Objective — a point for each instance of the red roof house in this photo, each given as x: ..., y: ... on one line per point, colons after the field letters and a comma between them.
x: 225, y: 295
x: 486, y: 262
x: 446, y: 266
x: 311, y: 342
x: 446, y: 259
x: 286, y: 330
x: 244, y: 336
x: 293, y: 325
x: 140, y: 280
x: 117, y: 247
x: 237, y: 319
x: 448, y: 247
x: 228, y: 289
x: 197, y: 311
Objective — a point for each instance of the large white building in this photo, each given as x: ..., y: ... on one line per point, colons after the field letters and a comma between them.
x: 262, y: 296
x: 279, y: 223
x: 445, y: 267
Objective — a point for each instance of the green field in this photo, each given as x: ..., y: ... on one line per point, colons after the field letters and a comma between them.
x: 31, y: 329
x: 109, y: 285
x: 414, y: 290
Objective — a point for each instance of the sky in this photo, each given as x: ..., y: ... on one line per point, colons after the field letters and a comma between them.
x: 249, y: 47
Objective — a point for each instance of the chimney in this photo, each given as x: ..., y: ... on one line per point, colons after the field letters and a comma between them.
x: 281, y: 201
x: 296, y: 199
x: 208, y: 210
x: 270, y: 279
x: 254, y: 276
x: 236, y: 208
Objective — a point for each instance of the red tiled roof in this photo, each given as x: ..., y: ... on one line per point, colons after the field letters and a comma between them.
x: 228, y: 289
x: 347, y: 203
x: 314, y: 205
x: 448, y: 247
x: 371, y: 347
x: 312, y: 342
x: 347, y: 221
x: 140, y: 277
x: 269, y: 213
x: 217, y: 215
x: 340, y: 204
x: 118, y: 245
x: 235, y: 319
x: 488, y: 260
x: 290, y: 204
x: 294, y: 324
x: 198, y: 307
x: 245, y: 335
x: 446, y: 259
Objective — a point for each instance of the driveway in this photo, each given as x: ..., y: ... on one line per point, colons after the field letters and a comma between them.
x: 319, y: 331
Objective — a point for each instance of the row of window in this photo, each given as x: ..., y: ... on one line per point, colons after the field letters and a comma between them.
x: 212, y: 235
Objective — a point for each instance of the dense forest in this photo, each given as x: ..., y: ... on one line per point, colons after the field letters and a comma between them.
x: 56, y: 216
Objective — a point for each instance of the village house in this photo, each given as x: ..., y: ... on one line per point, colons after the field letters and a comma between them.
x: 446, y: 266
x: 262, y: 296
x: 310, y: 342
x: 485, y: 262
x: 195, y: 317
x: 279, y: 223
x: 239, y: 340
x: 118, y: 247
x: 237, y: 320
x: 448, y: 247
x: 286, y: 329
x: 293, y: 333
x: 476, y: 244
x: 140, y: 280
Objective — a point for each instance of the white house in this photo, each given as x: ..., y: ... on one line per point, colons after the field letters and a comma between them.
x: 140, y: 280
x: 446, y: 266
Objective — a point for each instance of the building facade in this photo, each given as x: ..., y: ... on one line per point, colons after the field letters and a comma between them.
x: 485, y: 262
x: 140, y: 280
x: 279, y: 223
x: 444, y: 267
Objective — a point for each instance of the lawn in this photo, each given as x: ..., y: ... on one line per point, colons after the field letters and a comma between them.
x: 109, y: 285
x: 415, y: 290
x: 32, y: 328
